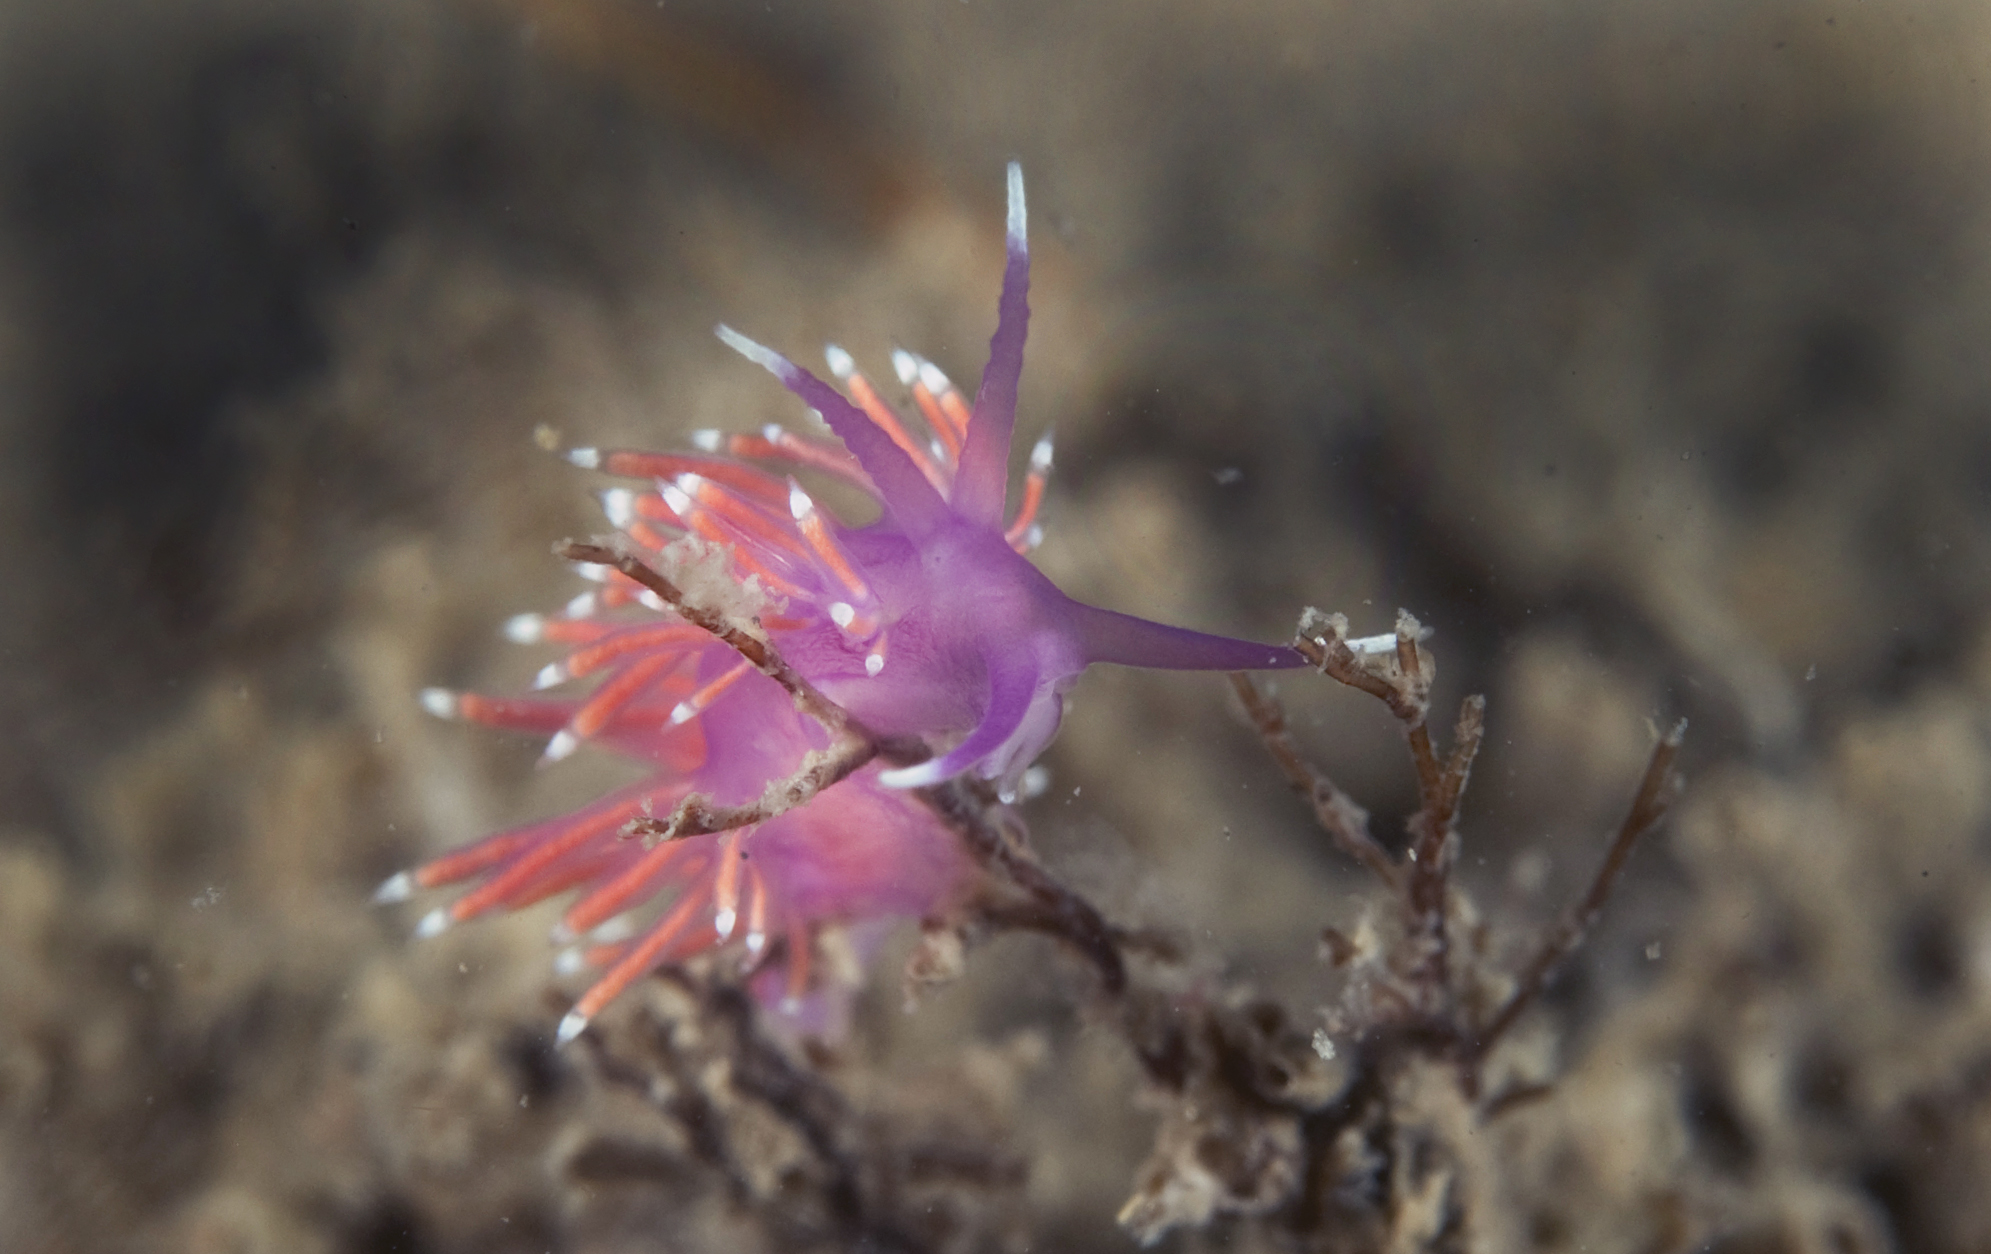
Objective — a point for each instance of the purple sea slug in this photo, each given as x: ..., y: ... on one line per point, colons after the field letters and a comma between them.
x: 929, y: 623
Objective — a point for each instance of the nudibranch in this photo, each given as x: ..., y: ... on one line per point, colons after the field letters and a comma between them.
x: 929, y: 622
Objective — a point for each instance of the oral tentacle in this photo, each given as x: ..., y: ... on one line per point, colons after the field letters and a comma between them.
x: 1012, y: 687
x: 1124, y: 640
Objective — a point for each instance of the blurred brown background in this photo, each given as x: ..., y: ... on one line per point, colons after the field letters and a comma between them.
x: 1636, y: 348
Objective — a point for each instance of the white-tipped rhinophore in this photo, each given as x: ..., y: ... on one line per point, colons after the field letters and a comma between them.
x: 433, y: 924
x: 620, y: 506
x: 1040, y: 454
x: 570, y: 1027
x: 441, y: 702
x: 1018, y: 226
x: 561, y: 747
x: 525, y: 628
x: 585, y: 458
x: 905, y: 365
x: 397, y: 887
x: 840, y: 363
x: 551, y: 675
x: 707, y: 440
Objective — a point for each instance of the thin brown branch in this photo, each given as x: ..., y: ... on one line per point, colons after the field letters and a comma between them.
x: 1655, y: 794
x: 1051, y: 907
x: 1466, y: 739
x: 1339, y: 815
x: 852, y: 744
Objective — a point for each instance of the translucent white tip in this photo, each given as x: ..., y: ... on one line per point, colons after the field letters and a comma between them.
x: 397, y: 887
x: 842, y: 614
x: 620, y: 506
x: 593, y: 572
x: 582, y: 606
x: 650, y: 600
x: 585, y: 458
x: 1036, y: 781
x: 935, y: 379
x: 723, y: 921
x: 873, y: 664
x: 569, y: 961
x: 1373, y: 644
x: 683, y: 712
x: 772, y: 432
x: 561, y: 934
x: 840, y: 363
x: 1040, y: 454
x: 551, y: 675
x: 905, y: 365
x: 570, y: 1027
x: 525, y: 628
x: 675, y: 497
x: 921, y: 776
x: 1017, y: 224
x: 433, y: 924
x: 759, y: 354
x: 756, y: 941
x: 706, y: 440
x: 440, y: 702
x: 799, y: 503
x: 561, y: 747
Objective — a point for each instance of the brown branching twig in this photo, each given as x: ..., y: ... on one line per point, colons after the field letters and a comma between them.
x: 1339, y: 815
x: 1655, y: 794
x: 1047, y: 905
x: 852, y: 745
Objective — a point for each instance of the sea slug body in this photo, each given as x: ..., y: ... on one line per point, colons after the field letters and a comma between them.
x: 928, y: 623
